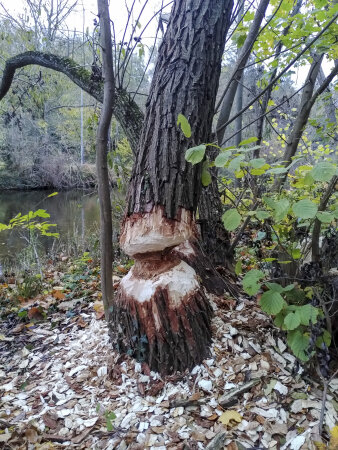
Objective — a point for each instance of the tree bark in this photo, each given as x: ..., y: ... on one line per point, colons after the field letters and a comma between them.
x: 307, y: 101
x: 238, y: 70
x: 330, y: 109
x: 102, y: 137
x: 317, y: 225
x: 161, y: 314
x: 267, y: 95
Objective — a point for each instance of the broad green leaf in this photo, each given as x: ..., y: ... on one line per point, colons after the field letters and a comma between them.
x: 288, y: 288
x: 257, y: 163
x: 222, y: 159
x: 185, y: 126
x: 305, y: 209
x: 195, y: 155
x: 325, y: 216
x: 275, y: 287
x: 281, y: 209
x: 235, y: 163
x: 206, y: 177
x: 231, y: 219
x: 261, y: 215
x: 272, y: 302
x: 323, y: 171
x: 307, y: 313
x: 277, y: 170
x: 292, y: 321
x: 251, y: 283
x: 279, y: 319
x: 325, y: 338
x: 257, y: 172
x: 238, y: 267
x: 298, y: 342
x: 248, y: 141
x: 296, y: 253
x: 40, y: 213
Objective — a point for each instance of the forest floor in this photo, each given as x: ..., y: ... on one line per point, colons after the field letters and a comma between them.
x: 62, y: 386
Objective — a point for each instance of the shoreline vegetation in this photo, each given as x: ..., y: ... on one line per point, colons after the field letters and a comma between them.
x: 62, y: 178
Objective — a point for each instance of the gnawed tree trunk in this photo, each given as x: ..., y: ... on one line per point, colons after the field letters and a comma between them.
x: 160, y: 313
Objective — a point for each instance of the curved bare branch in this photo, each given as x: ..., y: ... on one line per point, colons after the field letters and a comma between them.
x: 126, y: 110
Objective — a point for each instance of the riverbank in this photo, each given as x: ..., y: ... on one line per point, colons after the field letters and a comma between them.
x: 60, y: 178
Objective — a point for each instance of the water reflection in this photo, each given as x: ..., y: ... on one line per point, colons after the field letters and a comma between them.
x: 74, y: 212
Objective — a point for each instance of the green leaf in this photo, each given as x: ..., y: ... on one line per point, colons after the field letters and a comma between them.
x: 323, y: 171
x: 195, y: 155
x: 185, y: 126
x: 292, y: 321
x: 248, y: 141
x: 272, y: 302
x: 238, y: 267
x: 296, y: 253
x: 275, y: 287
x: 279, y: 319
x: 305, y: 209
x: 277, y: 170
x: 206, y: 177
x: 281, y: 209
x: 261, y: 215
x: 231, y: 219
x: 298, y: 342
x: 324, y: 339
x: 52, y: 195
x: 307, y: 313
x: 235, y: 163
x: 250, y: 281
x: 222, y: 159
x: 325, y: 216
x: 257, y: 163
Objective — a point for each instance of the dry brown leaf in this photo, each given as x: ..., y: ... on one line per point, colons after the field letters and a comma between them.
x: 121, y: 269
x: 213, y: 417
x: 229, y: 416
x: 50, y: 420
x: 58, y: 295
x: 35, y: 313
x: 31, y: 435
x: 260, y: 419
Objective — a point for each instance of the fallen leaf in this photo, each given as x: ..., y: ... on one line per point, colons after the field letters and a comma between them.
x: 50, y: 420
x: 121, y: 269
x: 35, y: 313
x: 31, y: 435
x: 333, y: 445
x: 58, y: 295
x: 228, y: 416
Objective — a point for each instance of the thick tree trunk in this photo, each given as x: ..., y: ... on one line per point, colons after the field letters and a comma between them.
x: 106, y: 232
x: 161, y: 314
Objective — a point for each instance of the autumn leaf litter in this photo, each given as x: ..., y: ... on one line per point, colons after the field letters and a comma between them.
x: 65, y: 387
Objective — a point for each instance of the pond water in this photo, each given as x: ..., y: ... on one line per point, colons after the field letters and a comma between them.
x: 76, y: 213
